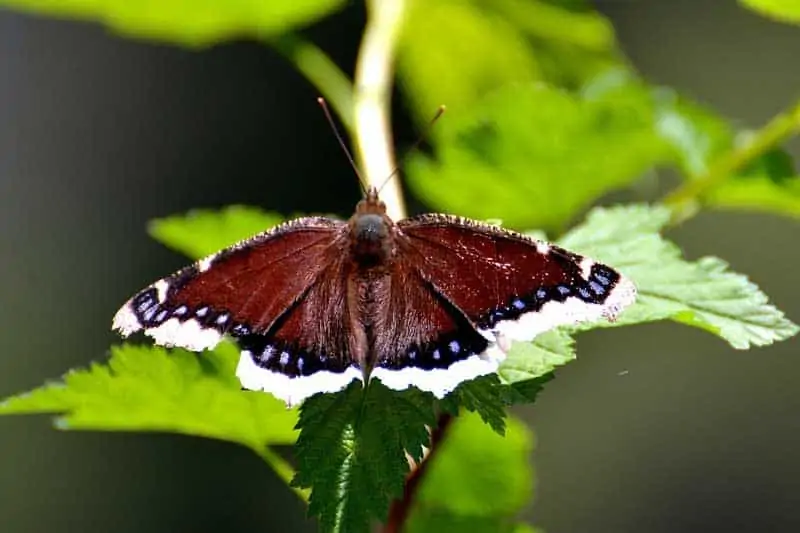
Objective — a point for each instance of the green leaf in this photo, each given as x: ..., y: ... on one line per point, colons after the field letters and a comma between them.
x: 780, y: 10
x: 351, y: 451
x: 475, y: 481
x: 528, y: 145
x: 485, y: 396
x: 699, y: 137
x: 701, y: 293
x: 153, y: 389
x: 456, y: 52
x: 192, y: 23
x: 585, y: 29
x: 758, y: 193
x: 453, y: 52
x: 202, y: 232
x: 532, y: 360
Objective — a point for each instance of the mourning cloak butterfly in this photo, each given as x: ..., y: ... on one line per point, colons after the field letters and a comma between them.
x: 430, y: 301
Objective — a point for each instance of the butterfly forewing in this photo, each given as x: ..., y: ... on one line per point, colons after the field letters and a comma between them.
x: 508, y: 283
x: 242, y: 289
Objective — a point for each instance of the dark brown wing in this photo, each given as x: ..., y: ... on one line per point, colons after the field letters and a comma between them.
x: 506, y: 282
x: 241, y: 290
x: 423, y: 339
x: 307, y: 349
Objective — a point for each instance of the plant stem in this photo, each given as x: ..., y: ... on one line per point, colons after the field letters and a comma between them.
x: 776, y: 131
x: 322, y: 72
x: 400, y: 509
x: 282, y: 468
x: 373, y: 91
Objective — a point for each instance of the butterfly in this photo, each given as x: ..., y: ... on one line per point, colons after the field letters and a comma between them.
x: 430, y: 301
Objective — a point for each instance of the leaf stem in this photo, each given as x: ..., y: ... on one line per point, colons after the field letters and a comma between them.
x: 776, y: 131
x: 373, y: 91
x: 322, y: 72
x: 282, y: 468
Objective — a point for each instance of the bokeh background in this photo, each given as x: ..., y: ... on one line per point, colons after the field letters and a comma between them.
x: 657, y: 428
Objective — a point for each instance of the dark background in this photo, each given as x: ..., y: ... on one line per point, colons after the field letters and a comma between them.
x: 659, y: 428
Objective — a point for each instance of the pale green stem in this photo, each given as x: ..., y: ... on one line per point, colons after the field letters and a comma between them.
x: 282, y: 468
x: 322, y: 72
x: 775, y: 132
x: 372, y: 98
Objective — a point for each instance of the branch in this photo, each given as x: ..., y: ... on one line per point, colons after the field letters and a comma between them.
x: 322, y: 72
x: 775, y: 132
x: 398, y: 513
x: 373, y: 91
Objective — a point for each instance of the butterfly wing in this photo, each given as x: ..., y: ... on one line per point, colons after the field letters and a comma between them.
x: 240, y: 290
x: 423, y: 339
x: 308, y: 349
x: 508, y: 284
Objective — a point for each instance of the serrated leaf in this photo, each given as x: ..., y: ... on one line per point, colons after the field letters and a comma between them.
x: 476, y: 481
x: 192, y: 23
x: 153, y: 389
x: 536, y: 145
x: 351, y: 451
x: 204, y: 231
x: 780, y: 10
x: 485, y: 396
x: 701, y: 293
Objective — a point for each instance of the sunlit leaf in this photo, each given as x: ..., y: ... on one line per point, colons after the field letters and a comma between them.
x: 453, y: 52
x: 153, y: 389
x: 535, y: 155
x: 193, y: 23
x: 531, y: 360
x: 780, y: 10
x: 204, y: 231
x: 702, y: 293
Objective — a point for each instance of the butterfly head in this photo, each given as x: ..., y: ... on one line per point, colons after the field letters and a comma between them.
x: 371, y: 230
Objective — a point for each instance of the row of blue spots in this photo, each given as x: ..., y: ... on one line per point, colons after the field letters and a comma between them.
x: 439, y: 354
x: 595, y: 290
x: 288, y: 359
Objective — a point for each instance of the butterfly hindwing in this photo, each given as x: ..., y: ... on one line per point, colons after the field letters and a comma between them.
x: 426, y: 341
x: 308, y: 348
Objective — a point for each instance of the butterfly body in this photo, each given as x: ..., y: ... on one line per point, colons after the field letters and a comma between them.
x: 430, y: 301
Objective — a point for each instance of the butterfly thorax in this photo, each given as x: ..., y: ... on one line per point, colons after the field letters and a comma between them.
x: 371, y: 233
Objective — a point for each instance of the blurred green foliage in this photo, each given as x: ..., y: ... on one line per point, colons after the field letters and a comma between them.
x: 782, y: 10
x: 188, y: 22
x: 540, y: 152
x: 547, y: 117
x: 457, y: 485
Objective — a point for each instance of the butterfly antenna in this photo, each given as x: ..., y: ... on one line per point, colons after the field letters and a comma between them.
x: 420, y: 139
x: 324, y: 105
